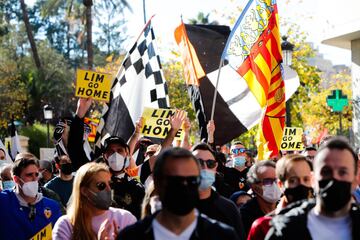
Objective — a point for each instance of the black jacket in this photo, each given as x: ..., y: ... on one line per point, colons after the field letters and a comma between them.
x: 128, y: 194
x: 206, y: 229
x: 223, y: 210
x: 250, y: 211
x: 293, y: 224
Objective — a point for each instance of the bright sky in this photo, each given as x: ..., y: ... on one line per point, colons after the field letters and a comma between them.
x: 317, y: 17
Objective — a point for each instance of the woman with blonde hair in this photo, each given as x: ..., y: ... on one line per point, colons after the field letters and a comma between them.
x: 89, y: 215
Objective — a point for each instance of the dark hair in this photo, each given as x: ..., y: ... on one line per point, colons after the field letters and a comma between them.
x: 340, y: 143
x: 310, y: 149
x: 170, y: 154
x: 238, y: 143
x: 252, y: 175
x: 283, y: 163
x: 22, y: 163
x: 204, y: 147
x: 115, y: 140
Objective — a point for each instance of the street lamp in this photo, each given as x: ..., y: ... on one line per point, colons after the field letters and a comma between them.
x: 287, y: 49
x: 48, y: 115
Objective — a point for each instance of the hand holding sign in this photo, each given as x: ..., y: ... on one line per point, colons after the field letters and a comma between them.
x: 139, y: 125
x: 83, y: 106
x: 159, y: 122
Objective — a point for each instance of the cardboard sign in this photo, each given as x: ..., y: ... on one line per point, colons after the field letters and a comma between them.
x: 93, y: 123
x: 93, y: 85
x: 157, y: 123
x: 292, y: 139
x: 43, y: 234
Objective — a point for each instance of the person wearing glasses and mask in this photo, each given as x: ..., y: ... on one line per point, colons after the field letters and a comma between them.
x: 177, y: 179
x: 263, y: 182
x: 235, y: 175
x: 211, y: 203
x: 24, y: 211
x: 294, y: 179
x: 89, y: 215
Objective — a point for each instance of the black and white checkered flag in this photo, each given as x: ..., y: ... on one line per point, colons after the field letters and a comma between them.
x: 139, y: 83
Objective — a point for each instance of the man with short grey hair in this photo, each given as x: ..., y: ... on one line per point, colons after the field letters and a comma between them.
x: 262, y: 179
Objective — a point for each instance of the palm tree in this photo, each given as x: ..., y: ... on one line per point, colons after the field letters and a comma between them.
x: 30, y: 36
x: 89, y: 47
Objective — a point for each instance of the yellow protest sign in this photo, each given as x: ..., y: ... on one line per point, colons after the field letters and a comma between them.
x: 44, y: 234
x: 93, y: 85
x: 157, y: 123
x: 292, y: 139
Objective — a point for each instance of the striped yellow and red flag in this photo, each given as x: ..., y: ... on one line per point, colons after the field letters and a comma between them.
x: 273, y: 122
x: 254, y: 51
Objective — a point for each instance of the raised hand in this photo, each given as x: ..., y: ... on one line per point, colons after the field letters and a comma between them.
x: 83, y: 106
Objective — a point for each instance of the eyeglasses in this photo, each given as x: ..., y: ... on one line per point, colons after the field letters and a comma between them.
x: 102, y: 185
x: 267, y: 181
x: 185, y: 181
x: 209, y: 163
x: 149, y: 154
x: 238, y: 150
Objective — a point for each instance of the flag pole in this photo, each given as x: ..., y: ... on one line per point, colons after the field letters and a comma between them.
x: 216, y: 87
x: 144, y: 10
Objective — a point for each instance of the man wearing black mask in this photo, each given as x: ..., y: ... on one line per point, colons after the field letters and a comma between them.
x: 177, y: 178
x: 62, y: 184
x: 332, y: 215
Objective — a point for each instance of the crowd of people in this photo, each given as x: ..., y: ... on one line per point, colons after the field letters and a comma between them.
x: 173, y: 190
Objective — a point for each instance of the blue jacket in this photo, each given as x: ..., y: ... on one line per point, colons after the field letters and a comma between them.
x: 14, y: 219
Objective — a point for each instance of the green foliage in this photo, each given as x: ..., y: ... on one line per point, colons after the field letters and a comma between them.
x: 37, y: 134
x: 178, y: 94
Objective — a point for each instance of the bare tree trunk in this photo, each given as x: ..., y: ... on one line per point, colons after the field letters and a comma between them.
x: 30, y: 36
x: 89, y: 47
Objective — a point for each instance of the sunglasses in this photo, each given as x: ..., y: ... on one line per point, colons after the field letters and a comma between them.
x: 238, y: 150
x: 267, y: 181
x: 209, y: 163
x: 184, y: 181
x: 102, y: 185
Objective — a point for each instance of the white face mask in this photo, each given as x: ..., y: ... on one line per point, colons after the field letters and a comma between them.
x: 271, y: 193
x: 117, y: 162
x: 30, y: 189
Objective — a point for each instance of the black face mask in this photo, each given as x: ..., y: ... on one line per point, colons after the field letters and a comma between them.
x: 298, y: 193
x: 66, y: 168
x: 334, y: 194
x: 178, y: 198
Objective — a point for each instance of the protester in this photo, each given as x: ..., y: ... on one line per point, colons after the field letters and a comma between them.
x: 128, y: 193
x: 262, y: 180
x: 357, y: 190
x: 7, y: 182
x: 3, y: 158
x: 177, y: 178
x: 310, y: 153
x: 332, y: 215
x: 151, y: 202
x: 62, y: 184
x: 24, y: 211
x: 235, y: 176
x: 89, y: 215
x: 294, y: 179
x: 46, y: 172
x: 211, y: 203
x: 240, y: 198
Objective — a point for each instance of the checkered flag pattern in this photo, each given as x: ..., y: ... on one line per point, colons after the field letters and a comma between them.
x: 139, y: 83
